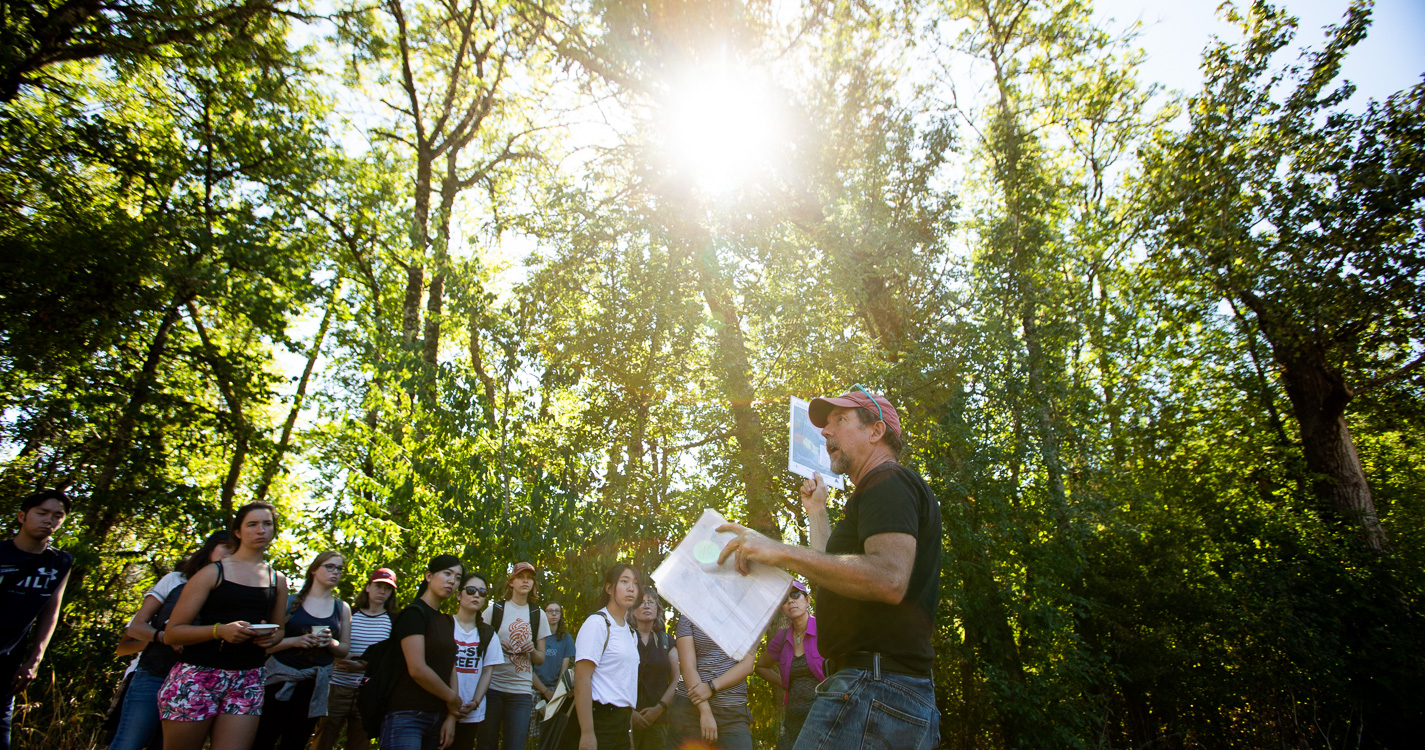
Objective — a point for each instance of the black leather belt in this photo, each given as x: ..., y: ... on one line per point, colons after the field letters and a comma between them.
x: 875, y: 662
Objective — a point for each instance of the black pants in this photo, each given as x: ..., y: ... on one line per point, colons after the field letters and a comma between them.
x: 611, y: 727
x: 286, y: 722
x: 465, y: 735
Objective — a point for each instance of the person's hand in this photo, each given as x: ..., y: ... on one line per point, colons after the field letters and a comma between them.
x: 306, y: 640
x: 814, y: 494
x: 24, y: 676
x: 236, y: 632
x: 588, y: 741
x: 455, y: 706
x: 548, y: 693
x: 699, y: 693
x: 709, y: 726
x: 269, y: 640
x: 640, y: 722
x: 447, y: 732
x: 750, y: 547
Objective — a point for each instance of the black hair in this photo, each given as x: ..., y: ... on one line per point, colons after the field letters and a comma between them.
x: 202, y: 557
x: 30, y: 502
x: 611, y: 579
x: 437, y: 564
x: 891, y: 439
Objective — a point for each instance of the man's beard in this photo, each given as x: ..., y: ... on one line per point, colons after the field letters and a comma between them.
x: 840, y: 464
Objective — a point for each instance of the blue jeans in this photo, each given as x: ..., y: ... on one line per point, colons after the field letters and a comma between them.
x: 411, y: 730
x: 138, y: 719
x: 854, y: 708
x: 509, y: 711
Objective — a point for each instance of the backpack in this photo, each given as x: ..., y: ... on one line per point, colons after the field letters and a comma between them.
x: 385, y: 663
x: 158, y: 659
x: 553, y: 733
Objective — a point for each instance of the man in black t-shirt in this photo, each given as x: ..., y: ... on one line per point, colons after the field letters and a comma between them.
x: 32, y: 579
x: 878, y: 582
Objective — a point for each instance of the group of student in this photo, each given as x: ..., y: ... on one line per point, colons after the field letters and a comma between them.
x: 229, y: 657
x: 226, y: 655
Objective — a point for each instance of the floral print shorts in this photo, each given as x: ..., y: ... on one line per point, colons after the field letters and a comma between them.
x: 193, y: 693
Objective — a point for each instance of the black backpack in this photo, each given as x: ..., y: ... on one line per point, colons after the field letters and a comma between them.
x: 554, y: 732
x: 158, y: 659
x: 386, y: 662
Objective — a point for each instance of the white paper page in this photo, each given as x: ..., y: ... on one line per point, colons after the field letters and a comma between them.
x: 731, y: 608
x: 806, y: 448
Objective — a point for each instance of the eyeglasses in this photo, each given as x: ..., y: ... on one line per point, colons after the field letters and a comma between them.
x: 862, y: 389
x: 476, y: 591
x: 795, y: 594
x: 333, y: 568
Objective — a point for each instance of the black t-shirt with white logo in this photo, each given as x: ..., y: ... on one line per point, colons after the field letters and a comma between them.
x: 27, y: 581
x: 889, y: 499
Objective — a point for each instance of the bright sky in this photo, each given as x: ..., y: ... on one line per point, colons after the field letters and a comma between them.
x: 1391, y: 58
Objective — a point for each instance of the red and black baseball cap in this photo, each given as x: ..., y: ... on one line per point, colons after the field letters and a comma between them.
x: 820, y: 407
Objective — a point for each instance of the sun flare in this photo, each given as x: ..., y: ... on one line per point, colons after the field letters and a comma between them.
x: 722, y: 128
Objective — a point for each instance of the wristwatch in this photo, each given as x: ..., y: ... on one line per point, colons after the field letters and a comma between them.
x: 712, y: 685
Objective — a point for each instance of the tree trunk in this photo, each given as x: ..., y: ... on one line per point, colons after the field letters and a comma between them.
x: 1319, y: 396
x: 477, y: 361
x: 102, y: 513
x: 757, y: 481
x: 241, y: 430
x: 275, y: 463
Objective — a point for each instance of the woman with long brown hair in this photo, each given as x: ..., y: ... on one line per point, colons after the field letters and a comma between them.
x: 300, y: 665
x: 216, y: 691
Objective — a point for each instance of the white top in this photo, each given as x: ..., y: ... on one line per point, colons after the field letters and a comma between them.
x: 615, y: 680
x: 166, y: 585
x: 468, y: 667
x: 516, y: 675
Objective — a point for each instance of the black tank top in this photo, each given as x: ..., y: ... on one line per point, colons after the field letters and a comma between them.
x: 301, y: 622
x: 228, y: 602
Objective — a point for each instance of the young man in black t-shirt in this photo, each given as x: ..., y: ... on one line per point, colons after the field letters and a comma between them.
x: 32, y: 579
x: 878, y: 582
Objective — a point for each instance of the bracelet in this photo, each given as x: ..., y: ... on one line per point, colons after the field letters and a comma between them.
x: 215, y: 631
x: 158, y: 636
x: 663, y: 704
x: 712, y: 685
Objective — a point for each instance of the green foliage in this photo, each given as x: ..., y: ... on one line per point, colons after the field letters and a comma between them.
x: 432, y: 285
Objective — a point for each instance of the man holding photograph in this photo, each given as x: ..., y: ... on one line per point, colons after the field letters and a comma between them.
x: 878, y: 579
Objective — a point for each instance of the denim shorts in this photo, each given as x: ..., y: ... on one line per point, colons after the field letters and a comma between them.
x: 855, y: 708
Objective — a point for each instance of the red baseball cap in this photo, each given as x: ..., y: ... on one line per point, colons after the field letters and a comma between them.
x: 820, y: 408
x: 521, y: 567
x: 383, y: 575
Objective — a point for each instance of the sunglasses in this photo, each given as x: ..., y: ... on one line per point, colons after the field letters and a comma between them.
x: 862, y: 389
x: 476, y: 591
x: 796, y: 594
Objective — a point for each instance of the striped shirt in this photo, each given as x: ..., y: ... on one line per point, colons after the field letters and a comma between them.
x: 365, y: 631
x: 713, y: 662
